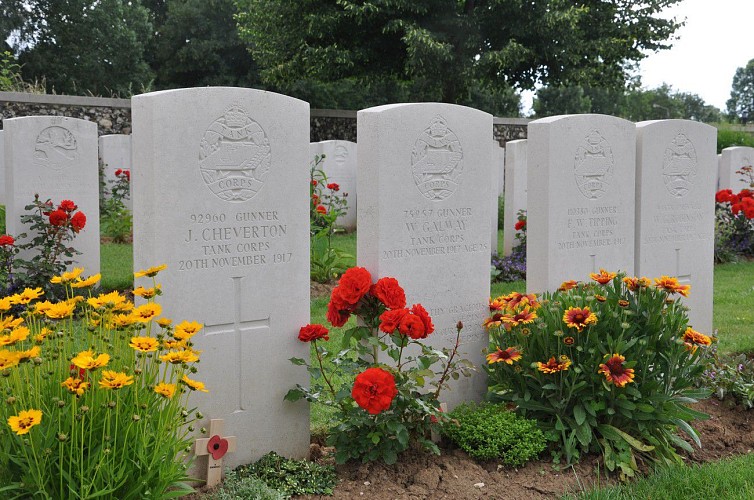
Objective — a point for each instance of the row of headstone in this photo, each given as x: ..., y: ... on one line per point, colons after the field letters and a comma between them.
x: 339, y: 165
x: 115, y: 156
x: 632, y: 197
x: 730, y: 162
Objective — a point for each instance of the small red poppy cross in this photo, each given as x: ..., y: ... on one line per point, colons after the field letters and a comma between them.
x: 215, y: 447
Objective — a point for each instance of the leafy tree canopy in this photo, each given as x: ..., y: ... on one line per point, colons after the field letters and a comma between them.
x: 452, y: 49
x: 741, y: 102
x: 77, y: 46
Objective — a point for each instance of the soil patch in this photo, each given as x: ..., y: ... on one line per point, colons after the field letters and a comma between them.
x: 453, y: 475
x: 321, y: 289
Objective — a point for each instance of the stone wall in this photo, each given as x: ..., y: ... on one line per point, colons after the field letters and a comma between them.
x: 113, y: 116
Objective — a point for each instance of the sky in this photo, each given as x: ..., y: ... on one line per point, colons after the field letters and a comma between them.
x: 718, y: 38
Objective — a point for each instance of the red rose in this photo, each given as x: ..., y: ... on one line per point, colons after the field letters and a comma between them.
x: 313, y: 332
x: 58, y: 217
x: 374, y: 390
x: 354, y: 284
x: 127, y: 173
x: 6, y: 240
x: 745, y: 193
x: 412, y: 326
x: 321, y: 209
x: 423, y: 315
x: 333, y: 186
x: 118, y: 172
x: 389, y: 320
x: 314, y: 183
x: 78, y: 221
x: 389, y: 292
x: 520, y: 225
x: 735, y: 208
x: 335, y: 316
x: 315, y: 199
x: 67, y: 206
x: 724, y: 195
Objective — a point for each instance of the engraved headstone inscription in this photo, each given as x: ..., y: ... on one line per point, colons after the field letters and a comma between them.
x: 340, y: 167
x: 221, y: 196
x: 675, y: 208
x: 731, y: 161
x: 580, y: 200
x: 424, y: 191
x: 515, y: 191
x: 54, y: 157
x: 115, y: 155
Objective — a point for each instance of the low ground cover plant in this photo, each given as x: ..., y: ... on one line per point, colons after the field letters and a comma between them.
x: 492, y: 432
x: 729, y: 376
x: 393, y: 402
x: 291, y: 477
x: 95, y: 393
x: 606, y: 365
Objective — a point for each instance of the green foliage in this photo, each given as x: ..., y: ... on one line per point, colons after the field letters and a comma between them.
x: 81, y: 46
x: 727, y: 137
x: 290, y: 477
x: 619, y: 384
x: 196, y: 44
x: 729, y: 375
x: 489, y: 46
x: 236, y: 486
x: 105, y: 432
x: 10, y: 72
x: 634, y: 104
x: 489, y: 432
x: 326, y: 205
x: 115, y: 217
x: 741, y: 102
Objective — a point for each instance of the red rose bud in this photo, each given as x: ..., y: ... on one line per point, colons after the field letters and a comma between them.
x: 6, y: 240
x: 78, y: 221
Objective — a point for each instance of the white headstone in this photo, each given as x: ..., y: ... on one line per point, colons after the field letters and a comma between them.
x: 2, y: 168
x: 580, y: 209
x: 498, y: 174
x: 221, y: 196
x: 54, y: 157
x: 115, y: 154
x: 731, y: 160
x: 340, y: 167
x: 424, y: 190
x: 675, y: 208
x: 515, y: 190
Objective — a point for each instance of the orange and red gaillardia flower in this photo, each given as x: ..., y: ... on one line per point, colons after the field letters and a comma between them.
x: 313, y: 332
x: 523, y: 317
x: 497, y: 304
x: 615, y: 372
x: 507, y: 356
x: 374, y: 390
x: 354, y: 284
x: 579, y: 318
x: 671, y: 285
x: 603, y: 277
x: 568, y: 285
x: 693, y: 339
x: 633, y: 283
x: 496, y: 320
x: 553, y: 365
x: 516, y: 299
x: 389, y: 292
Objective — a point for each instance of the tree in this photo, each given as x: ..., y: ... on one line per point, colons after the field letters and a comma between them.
x: 85, y: 46
x: 561, y: 101
x: 741, y: 102
x: 450, y: 47
x: 197, y: 44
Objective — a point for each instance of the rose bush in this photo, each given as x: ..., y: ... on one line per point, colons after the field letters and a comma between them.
x: 734, y: 224
x: 393, y: 402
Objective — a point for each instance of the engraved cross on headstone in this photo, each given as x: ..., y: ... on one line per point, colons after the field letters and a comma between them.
x: 685, y: 278
x: 239, y: 328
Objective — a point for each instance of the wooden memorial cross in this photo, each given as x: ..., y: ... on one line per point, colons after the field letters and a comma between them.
x: 215, y: 446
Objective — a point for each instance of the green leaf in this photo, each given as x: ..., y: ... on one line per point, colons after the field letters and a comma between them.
x: 584, y: 435
x: 402, y: 435
x: 297, y: 361
x: 608, y: 431
x: 685, y: 427
x: 389, y: 456
x: 294, y: 395
x: 579, y: 414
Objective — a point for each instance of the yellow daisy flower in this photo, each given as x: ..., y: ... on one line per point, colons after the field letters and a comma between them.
x: 24, y: 421
x: 91, y: 280
x: 167, y: 390
x: 18, y: 334
x: 164, y: 322
x: 39, y: 338
x: 87, y: 360
x: 144, y: 344
x: 152, y: 271
x: 42, y: 307
x: 147, y: 312
x: 122, y: 320
x: 106, y: 300
x: 175, y: 357
x: 147, y: 293
x: 185, y: 330
x: 75, y: 386
x: 5, y: 304
x: 194, y: 385
x: 173, y: 344
x: 28, y: 354
x: 115, y: 380
x: 26, y: 296
x: 67, y: 277
x: 60, y: 310
x: 8, y: 359
x: 10, y: 323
